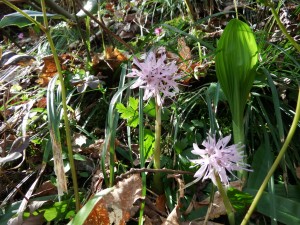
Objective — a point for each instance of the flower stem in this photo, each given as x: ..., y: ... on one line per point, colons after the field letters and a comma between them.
x: 156, y: 158
x: 227, y: 204
x: 142, y: 155
x: 239, y: 139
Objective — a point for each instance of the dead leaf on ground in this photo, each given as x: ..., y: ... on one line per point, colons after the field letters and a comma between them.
x: 47, y: 188
x: 34, y: 220
x: 187, y: 65
x: 117, y: 207
x: 173, y: 217
x: 218, y: 208
x: 42, y: 103
x: 48, y: 71
x: 161, y: 203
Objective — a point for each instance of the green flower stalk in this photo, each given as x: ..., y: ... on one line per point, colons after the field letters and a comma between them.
x: 216, y: 160
x: 157, y: 76
x: 236, y: 62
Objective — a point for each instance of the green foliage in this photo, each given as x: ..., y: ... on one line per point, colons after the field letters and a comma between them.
x: 148, y: 143
x: 17, y: 19
x: 236, y: 62
x: 129, y: 113
x: 60, y: 211
x: 286, y: 209
x: 201, y: 107
x: 262, y: 160
x: 238, y: 199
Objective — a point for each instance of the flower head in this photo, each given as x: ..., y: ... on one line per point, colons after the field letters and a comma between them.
x: 20, y: 36
x: 217, y: 158
x: 156, y: 76
x: 158, y: 31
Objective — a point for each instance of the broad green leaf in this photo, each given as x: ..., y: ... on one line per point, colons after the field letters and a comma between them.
x: 57, y: 211
x: 148, y: 143
x: 260, y: 166
x: 238, y: 199
x: 287, y: 210
x: 17, y: 19
x: 79, y: 157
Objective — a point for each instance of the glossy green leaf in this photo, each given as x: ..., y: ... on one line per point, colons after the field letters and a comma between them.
x: 287, y: 210
x: 17, y: 19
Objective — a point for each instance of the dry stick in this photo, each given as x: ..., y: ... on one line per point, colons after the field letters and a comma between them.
x: 58, y: 9
x: 104, y: 28
x: 136, y: 170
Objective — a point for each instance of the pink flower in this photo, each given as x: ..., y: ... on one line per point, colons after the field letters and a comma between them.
x: 20, y: 36
x: 158, y: 31
x: 156, y: 76
x: 217, y: 158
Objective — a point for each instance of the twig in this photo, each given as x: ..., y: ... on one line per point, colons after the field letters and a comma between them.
x: 136, y: 170
x: 104, y: 28
x: 58, y: 9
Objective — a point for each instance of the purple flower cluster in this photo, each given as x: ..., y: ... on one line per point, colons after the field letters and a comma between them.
x: 157, y: 76
x: 217, y: 159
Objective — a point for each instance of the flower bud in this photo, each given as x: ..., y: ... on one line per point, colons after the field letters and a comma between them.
x: 236, y: 61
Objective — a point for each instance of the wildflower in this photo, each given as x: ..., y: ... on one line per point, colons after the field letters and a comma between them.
x: 156, y: 76
x: 217, y: 158
x: 158, y: 31
x: 20, y: 36
x: 88, y: 81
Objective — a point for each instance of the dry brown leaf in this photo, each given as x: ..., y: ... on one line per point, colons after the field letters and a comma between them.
x: 173, y: 218
x: 117, y: 206
x: 161, y: 203
x: 114, y: 57
x: 48, y: 71
x: 34, y: 220
x: 184, y: 50
x: 42, y: 103
x: 47, y: 188
x: 185, y: 61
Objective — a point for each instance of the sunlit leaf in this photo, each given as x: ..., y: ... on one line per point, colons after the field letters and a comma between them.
x: 17, y: 19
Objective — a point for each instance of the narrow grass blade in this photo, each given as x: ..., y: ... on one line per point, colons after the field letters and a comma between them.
x: 53, y: 123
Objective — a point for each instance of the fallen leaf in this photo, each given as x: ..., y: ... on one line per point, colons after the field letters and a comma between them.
x: 116, y: 207
x: 42, y: 103
x: 49, y: 70
x: 20, y: 144
x: 114, y: 57
x: 173, y: 217
x: 47, y: 188
x: 161, y: 203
